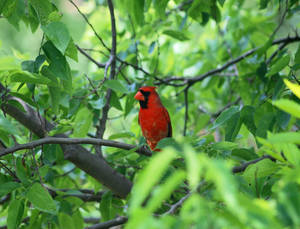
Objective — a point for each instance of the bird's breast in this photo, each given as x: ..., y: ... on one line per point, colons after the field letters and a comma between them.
x: 154, y: 124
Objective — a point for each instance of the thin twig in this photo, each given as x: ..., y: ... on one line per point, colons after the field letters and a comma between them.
x: 216, y: 114
x: 193, y: 80
x: 9, y: 171
x: 175, y: 206
x: 186, y: 114
x: 92, y: 85
x: 83, y: 52
x: 57, y: 140
x: 241, y: 168
x: 92, y: 27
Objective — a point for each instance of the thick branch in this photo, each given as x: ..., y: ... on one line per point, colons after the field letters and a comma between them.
x: 82, y: 158
x: 111, y: 223
x: 62, y: 140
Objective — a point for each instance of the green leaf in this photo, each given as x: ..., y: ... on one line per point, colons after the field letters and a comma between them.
x: 116, y: 86
x: 247, y: 117
x: 286, y: 137
x: 245, y: 154
x: 58, y: 33
x: 129, y: 103
x: 43, y: 9
x: 97, y: 104
x: 215, y: 12
x: 65, y: 221
x: 264, y: 124
x: 26, y: 77
x: 83, y: 122
x: 115, y: 101
x: 260, y: 169
x: 106, y: 206
x: 279, y: 65
x: 15, y: 213
x: 225, y: 116
x: 218, y: 173
x: 21, y: 172
x: 181, y: 36
x: 224, y: 145
x: 33, y: 19
x: 136, y: 10
x: 221, y: 2
x: 288, y: 106
x: 41, y: 199
x: 71, y: 51
x: 263, y: 4
x: 197, y: 7
x: 158, y: 164
x: 295, y: 88
x: 165, y: 190
x: 121, y: 135
x: 59, y: 66
x: 232, y: 127
x: 193, y: 167
x: 8, y: 187
x: 78, y: 220
x: 160, y: 7
x: 297, y: 58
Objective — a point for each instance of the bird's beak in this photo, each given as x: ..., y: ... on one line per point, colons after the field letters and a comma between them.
x: 139, y: 96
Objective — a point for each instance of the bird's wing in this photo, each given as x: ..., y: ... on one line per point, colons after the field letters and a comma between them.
x: 166, y: 114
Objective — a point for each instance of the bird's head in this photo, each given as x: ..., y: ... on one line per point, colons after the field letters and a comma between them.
x: 144, y: 94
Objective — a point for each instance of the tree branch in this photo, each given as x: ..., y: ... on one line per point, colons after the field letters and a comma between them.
x: 242, y: 167
x: 111, y: 223
x: 84, y: 196
x: 75, y: 141
x: 99, y: 65
x: 192, y: 80
x: 92, y: 27
x: 93, y: 165
x: 112, y: 63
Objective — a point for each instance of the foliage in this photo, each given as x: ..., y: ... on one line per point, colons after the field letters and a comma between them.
x: 227, y: 71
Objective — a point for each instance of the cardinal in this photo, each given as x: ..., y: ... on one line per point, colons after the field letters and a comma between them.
x: 154, y: 118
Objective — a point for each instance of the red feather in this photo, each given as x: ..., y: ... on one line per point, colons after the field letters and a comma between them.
x: 154, y: 118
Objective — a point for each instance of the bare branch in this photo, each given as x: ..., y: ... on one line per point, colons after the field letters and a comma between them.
x: 193, y: 80
x: 99, y: 65
x: 111, y: 223
x: 175, y: 206
x: 241, y: 168
x: 112, y: 64
x: 92, y: 27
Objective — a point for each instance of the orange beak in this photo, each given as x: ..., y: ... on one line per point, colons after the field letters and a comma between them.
x: 139, y: 96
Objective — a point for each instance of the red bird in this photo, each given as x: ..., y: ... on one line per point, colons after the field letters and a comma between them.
x: 154, y: 118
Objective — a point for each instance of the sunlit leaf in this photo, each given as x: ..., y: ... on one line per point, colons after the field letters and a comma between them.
x: 288, y: 106
x: 295, y: 88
